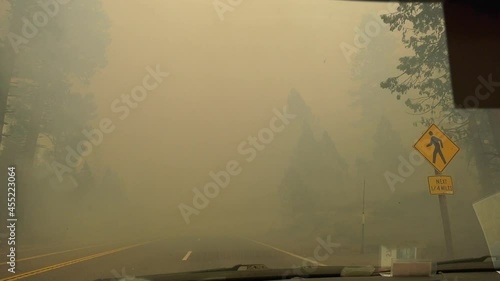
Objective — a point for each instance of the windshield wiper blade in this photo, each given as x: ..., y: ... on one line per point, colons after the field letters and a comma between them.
x: 251, y: 272
x: 238, y: 267
x: 479, y: 259
x: 263, y: 274
x: 484, y: 263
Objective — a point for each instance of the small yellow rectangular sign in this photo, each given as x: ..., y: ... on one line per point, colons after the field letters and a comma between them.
x: 440, y: 185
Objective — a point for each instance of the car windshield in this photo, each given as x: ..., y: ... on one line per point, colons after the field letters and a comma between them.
x: 151, y: 137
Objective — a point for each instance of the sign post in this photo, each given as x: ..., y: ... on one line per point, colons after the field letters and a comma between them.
x: 363, y: 221
x: 439, y: 150
x: 443, y: 205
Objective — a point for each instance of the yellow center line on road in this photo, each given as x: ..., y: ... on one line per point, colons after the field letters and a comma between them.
x: 63, y: 264
x: 53, y: 253
x: 58, y: 252
x: 285, y: 252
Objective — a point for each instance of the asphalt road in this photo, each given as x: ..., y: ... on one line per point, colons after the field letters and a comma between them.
x: 136, y: 258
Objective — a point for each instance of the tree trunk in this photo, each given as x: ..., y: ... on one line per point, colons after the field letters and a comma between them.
x: 483, y: 168
x: 7, y: 59
x: 494, y: 120
x: 29, y: 189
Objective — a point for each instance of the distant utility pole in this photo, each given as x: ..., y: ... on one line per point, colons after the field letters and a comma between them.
x: 363, y: 221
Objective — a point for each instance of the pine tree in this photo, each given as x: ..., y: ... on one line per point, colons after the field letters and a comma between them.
x: 314, y: 184
x: 38, y: 88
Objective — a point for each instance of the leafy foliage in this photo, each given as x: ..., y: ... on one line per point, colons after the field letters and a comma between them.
x: 425, y: 81
x: 424, y: 77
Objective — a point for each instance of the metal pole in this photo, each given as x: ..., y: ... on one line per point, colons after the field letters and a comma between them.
x: 446, y: 222
x: 363, y: 221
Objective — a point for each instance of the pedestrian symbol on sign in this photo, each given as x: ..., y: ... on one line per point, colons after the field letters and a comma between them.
x: 438, y: 144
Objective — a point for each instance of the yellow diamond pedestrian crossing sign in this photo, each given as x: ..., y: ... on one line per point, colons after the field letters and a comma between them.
x: 437, y: 148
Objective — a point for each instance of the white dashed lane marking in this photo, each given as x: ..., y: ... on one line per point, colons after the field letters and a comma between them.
x: 187, y: 256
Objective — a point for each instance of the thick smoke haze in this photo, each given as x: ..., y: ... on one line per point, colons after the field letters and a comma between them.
x: 174, y: 96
